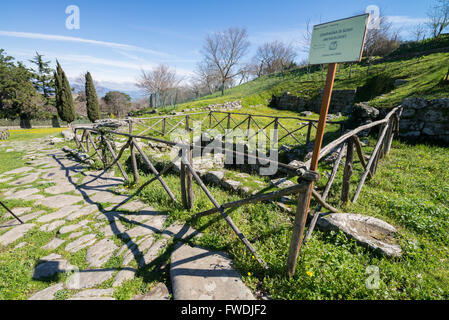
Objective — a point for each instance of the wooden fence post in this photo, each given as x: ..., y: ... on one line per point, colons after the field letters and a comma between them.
x: 346, y: 187
x: 189, y: 156
x: 298, y: 229
x: 182, y: 177
x: 133, y: 156
x: 309, y: 132
x: 276, y: 133
x: 304, y: 198
x: 164, y: 120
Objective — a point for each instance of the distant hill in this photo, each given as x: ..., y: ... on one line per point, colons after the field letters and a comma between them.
x: 101, y: 91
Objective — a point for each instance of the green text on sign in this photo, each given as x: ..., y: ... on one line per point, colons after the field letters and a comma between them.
x: 338, y: 41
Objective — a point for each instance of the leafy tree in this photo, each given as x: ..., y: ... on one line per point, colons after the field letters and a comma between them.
x: 92, y: 104
x: 117, y: 103
x: 64, y: 98
x: 18, y: 97
x: 43, y: 80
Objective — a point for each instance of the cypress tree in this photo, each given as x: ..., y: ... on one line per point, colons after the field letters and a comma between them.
x: 64, y: 98
x: 93, y: 106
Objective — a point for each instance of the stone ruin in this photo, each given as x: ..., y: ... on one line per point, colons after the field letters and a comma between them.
x: 424, y: 119
x: 341, y: 99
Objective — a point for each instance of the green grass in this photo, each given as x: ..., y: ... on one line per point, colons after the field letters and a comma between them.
x: 422, y: 73
x: 409, y: 190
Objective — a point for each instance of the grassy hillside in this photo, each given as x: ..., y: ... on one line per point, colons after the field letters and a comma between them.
x: 424, y: 74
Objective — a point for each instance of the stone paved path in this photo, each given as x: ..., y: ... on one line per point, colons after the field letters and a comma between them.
x: 79, y: 210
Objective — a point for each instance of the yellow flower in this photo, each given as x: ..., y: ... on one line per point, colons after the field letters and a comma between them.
x: 249, y: 274
x: 309, y: 273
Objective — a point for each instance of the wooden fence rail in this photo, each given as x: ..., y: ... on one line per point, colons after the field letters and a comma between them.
x: 349, y: 141
x: 230, y: 121
x: 187, y: 173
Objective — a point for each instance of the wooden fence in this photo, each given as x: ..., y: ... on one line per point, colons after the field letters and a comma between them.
x: 230, y: 121
x: 349, y: 141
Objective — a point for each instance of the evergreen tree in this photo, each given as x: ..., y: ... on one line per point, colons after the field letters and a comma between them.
x: 42, y: 79
x: 18, y: 97
x: 92, y: 104
x: 64, y: 98
x: 58, y: 88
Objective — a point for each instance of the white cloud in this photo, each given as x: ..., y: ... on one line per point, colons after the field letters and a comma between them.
x: 50, y: 37
x: 405, y: 20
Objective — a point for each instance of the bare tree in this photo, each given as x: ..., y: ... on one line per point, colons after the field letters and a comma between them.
x: 438, y: 16
x: 274, y: 57
x: 382, y: 40
x: 304, y: 43
x: 419, y: 32
x: 208, y: 77
x: 159, y: 81
x: 223, y: 51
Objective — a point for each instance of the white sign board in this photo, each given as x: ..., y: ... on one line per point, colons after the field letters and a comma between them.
x: 338, y: 41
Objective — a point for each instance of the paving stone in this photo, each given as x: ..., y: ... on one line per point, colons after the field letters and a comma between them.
x: 113, y: 228
x: 53, y: 244
x: 60, y: 188
x: 137, y: 249
x: 76, y: 235
x: 153, y: 253
x: 19, y: 170
x: 25, y: 219
x: 99, y: 254
x: 48, y: 293
x: 132, y: 206
x: 180, y: 231
x: 81, y: 243
x: 73, y: 227
x: 138, y: 231
x: 104, y: 197
x: 20, y: 211
x: 94, y: 294
x: 89, y: 278
x: 2, y: 180
x: 49, y: 227
x: 21, y: 245
x: 15, y: 233
x: 59, y: 201
x: 60, y: 214
x: 26, y: 180
x: 82, y: 212
x: 122, y: 276
x: 281, y: 183
x: 200, y: 274
x: 158, y: 292
x: 36, y: 197
x: 22, y: 194
x: 51, y: 265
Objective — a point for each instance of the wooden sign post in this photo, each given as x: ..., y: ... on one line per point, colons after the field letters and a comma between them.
x: 333, y: 42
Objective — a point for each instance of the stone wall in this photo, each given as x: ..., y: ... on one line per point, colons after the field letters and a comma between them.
x: 425, y: 120
x: 341, y: 99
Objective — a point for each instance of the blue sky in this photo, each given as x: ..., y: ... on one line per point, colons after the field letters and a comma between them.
x: 117, y: 39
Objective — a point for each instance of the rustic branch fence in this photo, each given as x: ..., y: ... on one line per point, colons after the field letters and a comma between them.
x: 389, y: 126
x: 230, y: 121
